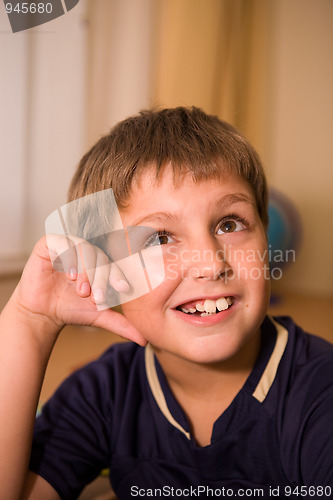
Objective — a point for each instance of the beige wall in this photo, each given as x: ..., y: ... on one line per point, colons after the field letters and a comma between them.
x: 301, y: 132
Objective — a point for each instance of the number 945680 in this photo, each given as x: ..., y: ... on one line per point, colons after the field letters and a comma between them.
x: 28, y: 8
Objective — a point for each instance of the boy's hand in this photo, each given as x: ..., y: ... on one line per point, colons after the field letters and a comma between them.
x: 70, y: 296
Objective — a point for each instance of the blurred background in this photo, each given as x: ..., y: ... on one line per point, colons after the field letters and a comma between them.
x: 266, y: 66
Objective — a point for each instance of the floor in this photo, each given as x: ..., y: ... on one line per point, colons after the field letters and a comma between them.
x: 77, y: 346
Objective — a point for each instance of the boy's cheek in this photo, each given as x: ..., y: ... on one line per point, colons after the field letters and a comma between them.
x: 250, y: 271
x: 145, y: 305
x: 249, y: 263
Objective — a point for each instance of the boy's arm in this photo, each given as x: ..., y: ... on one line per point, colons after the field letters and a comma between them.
x: 43, y: 302
x: 37, y: 488
x: 25, y: 346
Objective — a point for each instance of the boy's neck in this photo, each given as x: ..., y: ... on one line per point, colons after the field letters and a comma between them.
x: 206, y: 390
x: 209, y: 380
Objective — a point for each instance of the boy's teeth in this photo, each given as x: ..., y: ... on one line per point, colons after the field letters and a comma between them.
x: 200, y: 307
x: 222, y: 304
x: 210, y: 306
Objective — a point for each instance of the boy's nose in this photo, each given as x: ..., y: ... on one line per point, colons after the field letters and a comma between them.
x: 207, y: 260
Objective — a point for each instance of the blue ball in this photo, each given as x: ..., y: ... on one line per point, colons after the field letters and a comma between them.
x: 284, y: 230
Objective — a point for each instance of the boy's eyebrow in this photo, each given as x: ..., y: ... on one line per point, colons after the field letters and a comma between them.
x: 159, y: 217
x: 230, y: 199
x: 224, y: 202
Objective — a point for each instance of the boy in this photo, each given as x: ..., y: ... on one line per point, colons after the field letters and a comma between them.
x: 222, y: 400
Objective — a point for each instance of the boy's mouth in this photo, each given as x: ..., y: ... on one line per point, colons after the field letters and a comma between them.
x: 206, y: 307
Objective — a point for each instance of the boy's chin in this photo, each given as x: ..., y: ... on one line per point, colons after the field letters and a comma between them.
x: 218, y: 350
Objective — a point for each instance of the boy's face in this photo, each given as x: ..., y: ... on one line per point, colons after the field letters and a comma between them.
x: 214, y: 247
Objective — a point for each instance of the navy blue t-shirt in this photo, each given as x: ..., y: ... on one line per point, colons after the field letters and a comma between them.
x: 119, y: 413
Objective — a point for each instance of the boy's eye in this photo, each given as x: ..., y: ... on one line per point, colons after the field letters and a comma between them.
x: 158, y: 238
x: 230, y: 226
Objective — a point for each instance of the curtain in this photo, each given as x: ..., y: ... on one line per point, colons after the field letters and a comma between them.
x: 119, y: 61
x: 214, y: 54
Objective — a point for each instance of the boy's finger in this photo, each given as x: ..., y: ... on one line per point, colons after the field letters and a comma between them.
x: 86, y: 267
x: 94, y: 267
x: 117, y: 279
x: 63, y: 255
x: 101, y: 278
x: 119, y: 324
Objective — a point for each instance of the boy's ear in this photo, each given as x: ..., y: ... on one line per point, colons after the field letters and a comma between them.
x: 25, y: 15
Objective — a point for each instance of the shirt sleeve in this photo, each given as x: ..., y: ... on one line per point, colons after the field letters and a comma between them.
x: 317, y: 443
x: 71, y: 440
x: 306, y: 438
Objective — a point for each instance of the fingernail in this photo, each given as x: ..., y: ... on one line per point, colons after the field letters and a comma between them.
x: 122, y: 286
x: 99, y: 296
x: 85, y: 288
x: 73, y: 273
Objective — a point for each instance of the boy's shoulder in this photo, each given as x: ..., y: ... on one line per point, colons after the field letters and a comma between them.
x: 128, y: 351
x: 119, y: 368
x: 118, y: 359
x: 301, y: 404
x: 306, y: 367
x: 303, y: 346
x: 292, y: 365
